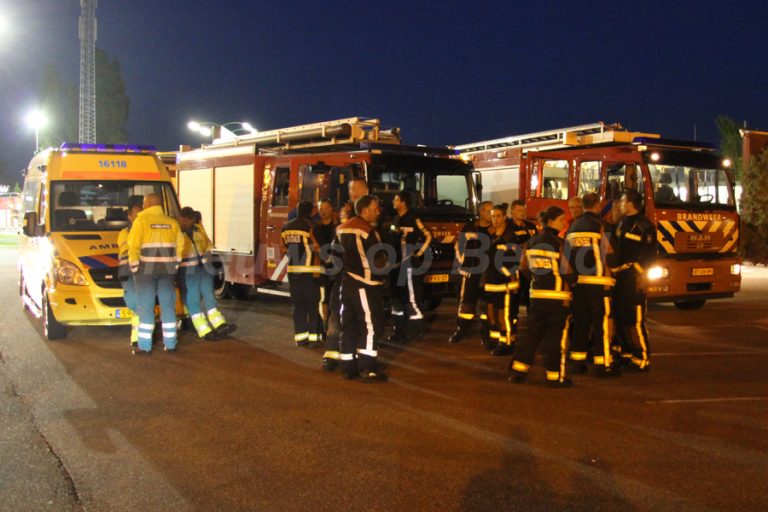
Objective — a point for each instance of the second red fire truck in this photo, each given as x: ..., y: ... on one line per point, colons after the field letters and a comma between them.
x: 687, y: 190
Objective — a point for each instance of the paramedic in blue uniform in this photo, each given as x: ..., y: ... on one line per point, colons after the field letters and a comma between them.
x: 124, y: 273
x: 197, y: 275
x: 155, y: 246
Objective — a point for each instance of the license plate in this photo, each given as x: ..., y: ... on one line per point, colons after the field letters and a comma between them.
x: 703, y: 271
x: 436, y: 278
x: 123, y: 313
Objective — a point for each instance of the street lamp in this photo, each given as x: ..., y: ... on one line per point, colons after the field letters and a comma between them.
x: 37, y: 120
x: 221, y: 131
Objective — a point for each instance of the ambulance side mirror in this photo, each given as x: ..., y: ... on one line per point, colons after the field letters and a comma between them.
x: 31, y: 227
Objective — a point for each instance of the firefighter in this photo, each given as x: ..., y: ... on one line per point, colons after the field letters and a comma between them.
x: 155, y: 246
x: 124, y: 273
x: 524, y: 230
x: 407, y: 289
x: 197, y: 275
x: 324, y: 231
x: 365, y: 267
x: 501, y: 283
x: 587, y: 246
x: 471, y: 258
x: 357, y: 188
x: 634, y: 244
x: 548, y: 314
x: 303, y: 275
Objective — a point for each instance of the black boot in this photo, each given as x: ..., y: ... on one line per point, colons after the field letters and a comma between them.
x: 462, y: 326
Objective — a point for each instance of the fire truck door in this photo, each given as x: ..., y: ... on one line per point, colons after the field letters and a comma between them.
x: 548, y: 184
x: 277, y: 192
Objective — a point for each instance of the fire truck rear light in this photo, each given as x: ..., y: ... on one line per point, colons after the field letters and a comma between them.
x: 735, y: 269
x: 656, y: 273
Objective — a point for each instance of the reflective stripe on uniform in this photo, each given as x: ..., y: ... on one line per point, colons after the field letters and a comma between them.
x: 550, y: 294
x: 520, y: 367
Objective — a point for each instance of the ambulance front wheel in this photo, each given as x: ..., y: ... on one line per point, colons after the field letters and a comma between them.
x: 52, y: 329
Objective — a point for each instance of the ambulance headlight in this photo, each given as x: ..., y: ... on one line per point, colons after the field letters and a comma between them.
x: 67, y: 272
x: 655, y: 273
x: 735, y: 269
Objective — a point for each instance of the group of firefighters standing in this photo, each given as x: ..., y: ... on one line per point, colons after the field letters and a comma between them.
x: 578, y: 280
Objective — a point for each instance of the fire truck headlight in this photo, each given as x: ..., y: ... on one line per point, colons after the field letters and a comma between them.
x: 735, y: 269
x: 655, y: 273
x: 67, y: 272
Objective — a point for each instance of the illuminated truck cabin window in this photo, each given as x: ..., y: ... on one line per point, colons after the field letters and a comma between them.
x: 682, y: 186
x: 589, y: 177
x: 550, y: 179
x: 435, y: 184
x: 337, y: 180
x: 101, y: 205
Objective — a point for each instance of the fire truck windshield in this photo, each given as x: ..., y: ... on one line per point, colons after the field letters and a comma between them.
x: 681, y: 186
x: 100, y: 205
x: 434, y: 183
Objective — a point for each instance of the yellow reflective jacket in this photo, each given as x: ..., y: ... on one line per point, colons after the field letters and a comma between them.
x: 155, y: 243
x: 197, y: 247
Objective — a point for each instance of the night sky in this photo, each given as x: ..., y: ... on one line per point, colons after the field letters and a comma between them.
x: 444, y: 72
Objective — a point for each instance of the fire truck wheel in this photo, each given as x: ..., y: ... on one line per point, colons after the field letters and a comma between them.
x: 431, y: 303
x: 52, y: 329
x: 228, y: 290
x: 689, y: 305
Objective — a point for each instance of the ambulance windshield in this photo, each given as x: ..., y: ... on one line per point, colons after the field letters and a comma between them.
x: 101, y: 205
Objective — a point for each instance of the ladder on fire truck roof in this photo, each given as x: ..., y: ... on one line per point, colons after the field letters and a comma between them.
x: 340, y: 131
x: 596, y: 133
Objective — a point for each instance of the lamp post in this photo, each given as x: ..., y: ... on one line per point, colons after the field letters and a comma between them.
x: 37, y: 120
x: 217, y: 131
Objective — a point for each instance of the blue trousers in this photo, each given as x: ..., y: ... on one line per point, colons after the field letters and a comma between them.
x: 129, y: 293
x: 147, y: 288
x: 199, y: 287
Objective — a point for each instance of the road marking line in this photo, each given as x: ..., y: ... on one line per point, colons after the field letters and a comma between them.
x: 710, y: 400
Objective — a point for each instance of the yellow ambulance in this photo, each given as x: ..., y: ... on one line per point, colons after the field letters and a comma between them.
x: 74, y: 204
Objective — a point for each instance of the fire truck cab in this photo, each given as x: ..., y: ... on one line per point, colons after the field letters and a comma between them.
x: 248, y: 187
x: 687, y: 190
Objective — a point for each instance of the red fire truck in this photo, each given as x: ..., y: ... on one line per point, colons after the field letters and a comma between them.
x: 686, y: 187
x: 246, y: 188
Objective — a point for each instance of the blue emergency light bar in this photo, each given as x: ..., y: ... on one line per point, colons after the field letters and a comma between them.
x: 107, y: 148
x: 651, y: 141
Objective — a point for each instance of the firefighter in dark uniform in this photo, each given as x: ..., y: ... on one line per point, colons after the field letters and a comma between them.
x: 365, y: 266
x: 524, y: 230
x: 325, y: 231
x: 587, y: 245
x: 413, y: 239
x: 357, y: 188
x: 303, y: 275
x: 501, y: 283
x: 634, y: 244
x: 549, y: 310
x: 471, y: 259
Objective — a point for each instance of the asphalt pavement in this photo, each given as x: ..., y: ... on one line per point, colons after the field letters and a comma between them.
x: 252, y: 423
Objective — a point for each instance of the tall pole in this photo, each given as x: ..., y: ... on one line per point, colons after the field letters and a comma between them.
x: 87, y: 126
